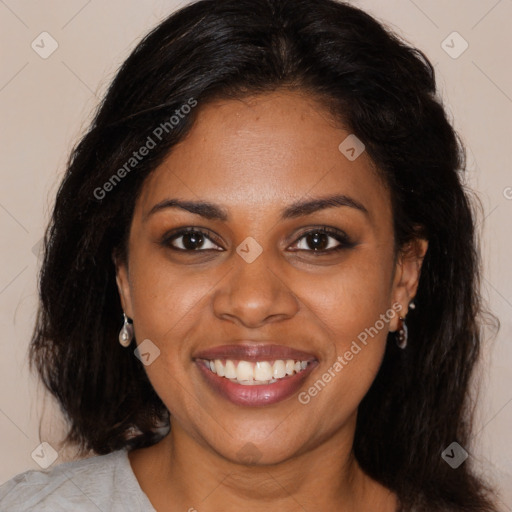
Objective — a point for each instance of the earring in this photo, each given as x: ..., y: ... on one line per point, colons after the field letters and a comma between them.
x: 412, y: 305
x: 126, y: 333
x: 401, y: 333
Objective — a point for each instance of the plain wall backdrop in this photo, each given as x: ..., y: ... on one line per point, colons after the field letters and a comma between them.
x: 46, y: 104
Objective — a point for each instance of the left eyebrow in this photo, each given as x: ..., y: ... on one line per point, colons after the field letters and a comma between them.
x: 298, y: 209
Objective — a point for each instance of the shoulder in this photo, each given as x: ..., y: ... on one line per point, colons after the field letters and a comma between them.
x: 103, y: 482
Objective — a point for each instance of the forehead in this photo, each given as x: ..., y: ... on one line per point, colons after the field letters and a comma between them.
x: 264, y: 151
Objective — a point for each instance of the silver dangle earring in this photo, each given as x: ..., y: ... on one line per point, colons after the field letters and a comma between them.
x: 126, y: 333
x: 401, y: 333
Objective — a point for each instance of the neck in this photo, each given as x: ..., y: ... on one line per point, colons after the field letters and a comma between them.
x: 180, y: 473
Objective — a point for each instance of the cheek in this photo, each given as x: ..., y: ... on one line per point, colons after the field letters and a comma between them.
x: 358, y: 337
x: 168, y: 305
x: 164, y: 296
x: 354, y: 308
x: 352, y: 298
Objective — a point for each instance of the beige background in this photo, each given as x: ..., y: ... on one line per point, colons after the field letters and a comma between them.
x: 46, y: 103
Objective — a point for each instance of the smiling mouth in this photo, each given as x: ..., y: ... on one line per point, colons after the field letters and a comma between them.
x: 253, y: 373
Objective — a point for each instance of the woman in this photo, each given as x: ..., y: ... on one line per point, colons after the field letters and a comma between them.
x: 260, y: 285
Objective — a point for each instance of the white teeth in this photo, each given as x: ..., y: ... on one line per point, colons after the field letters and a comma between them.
x: 219, y: 368
x: 230, y: 370
x: 262, y: 371
x: 245, y: 371
x: 259, y: 372
x: 279, y: 369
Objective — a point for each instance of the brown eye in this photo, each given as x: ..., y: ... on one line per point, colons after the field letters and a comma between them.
x: 323, y: 240
x: 190, y: 240
x: 317, y: 241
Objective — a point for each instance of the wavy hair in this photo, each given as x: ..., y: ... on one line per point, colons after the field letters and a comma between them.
x: 384, y: 91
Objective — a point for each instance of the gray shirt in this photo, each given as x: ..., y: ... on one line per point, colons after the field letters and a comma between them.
x: 104, y: 483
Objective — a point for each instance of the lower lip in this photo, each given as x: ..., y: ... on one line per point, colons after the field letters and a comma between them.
x: 258, y: 394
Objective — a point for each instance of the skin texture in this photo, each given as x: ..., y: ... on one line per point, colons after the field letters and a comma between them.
x: 254, y: 157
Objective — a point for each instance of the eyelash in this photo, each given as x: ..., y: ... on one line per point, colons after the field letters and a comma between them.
x: 339, y: 236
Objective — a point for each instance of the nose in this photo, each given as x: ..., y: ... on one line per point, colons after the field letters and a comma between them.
x: 253, y: 294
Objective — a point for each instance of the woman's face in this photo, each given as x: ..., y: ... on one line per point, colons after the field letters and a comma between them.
x: 259, y: 281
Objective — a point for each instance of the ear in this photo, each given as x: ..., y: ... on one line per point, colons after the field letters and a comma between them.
x: 407, y: 276
x: 123, y: 284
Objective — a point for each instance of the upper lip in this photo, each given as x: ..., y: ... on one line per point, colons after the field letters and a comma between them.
x: 254, y: 352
